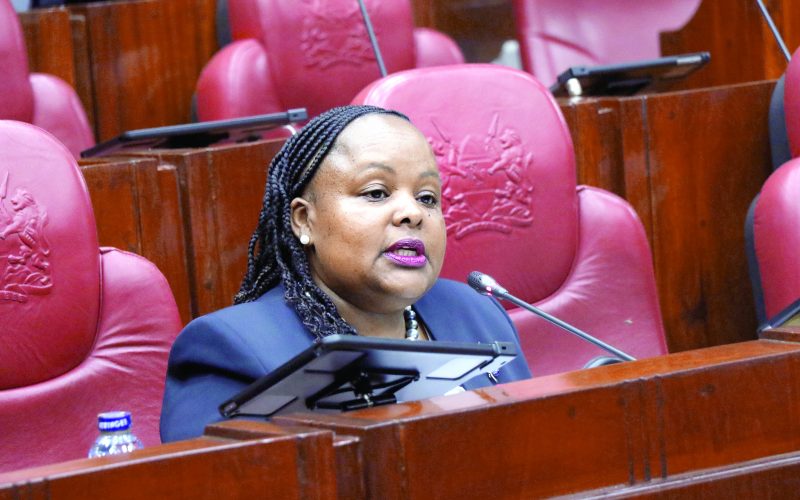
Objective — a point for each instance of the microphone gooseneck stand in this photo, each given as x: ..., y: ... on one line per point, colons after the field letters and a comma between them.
x: 486, y: 285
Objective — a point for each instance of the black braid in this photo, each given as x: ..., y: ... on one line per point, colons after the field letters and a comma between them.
x: 274, y: 254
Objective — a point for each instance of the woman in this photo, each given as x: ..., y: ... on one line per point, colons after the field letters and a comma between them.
x: 350, y: 240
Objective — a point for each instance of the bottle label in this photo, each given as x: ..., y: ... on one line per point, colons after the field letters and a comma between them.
x: 114, y: 421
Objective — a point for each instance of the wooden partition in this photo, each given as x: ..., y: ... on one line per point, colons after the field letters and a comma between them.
x: 221, y: 191
x: 741, y: 44
x: 278, y: 463
x: 690, y: 163
x: 145, y: 57
x: 635, y: 425
x: 137, y: 208
x: 723, y: 421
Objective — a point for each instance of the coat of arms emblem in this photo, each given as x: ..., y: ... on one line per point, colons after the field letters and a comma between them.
x: 24, y: 250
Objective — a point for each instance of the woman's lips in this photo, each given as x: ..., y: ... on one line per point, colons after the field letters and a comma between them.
x: 407, y: 253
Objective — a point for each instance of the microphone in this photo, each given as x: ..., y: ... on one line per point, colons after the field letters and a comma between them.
x: 372, y: 39
x: 486, y: 285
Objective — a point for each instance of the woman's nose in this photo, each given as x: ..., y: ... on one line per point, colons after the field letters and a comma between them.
x: 408, y: 211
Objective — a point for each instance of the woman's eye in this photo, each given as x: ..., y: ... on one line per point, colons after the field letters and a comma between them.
x: 428, y: 199
x: 375, y: 194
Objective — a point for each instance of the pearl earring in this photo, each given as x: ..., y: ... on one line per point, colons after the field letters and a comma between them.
x: 305, y: 239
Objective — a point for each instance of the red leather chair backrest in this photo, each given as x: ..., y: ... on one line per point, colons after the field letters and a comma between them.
x: 514, y: 212
x: 85, y: 329
x: 41, y: 99
x: 320, y: 51
x: 776, y: 236
x: 314, y: 54
x: 16, y: 97
x: 557, y: 34
x: 508, y: 176
x: 791, y: 103
x: 50, y: 265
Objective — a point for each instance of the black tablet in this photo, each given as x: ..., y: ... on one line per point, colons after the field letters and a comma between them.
x: 197, y: 135
x: 348, y: 372
x: 629, y: 78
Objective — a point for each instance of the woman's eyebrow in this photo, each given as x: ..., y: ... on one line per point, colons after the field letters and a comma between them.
x: 430, y: 173
x: 378, y: 166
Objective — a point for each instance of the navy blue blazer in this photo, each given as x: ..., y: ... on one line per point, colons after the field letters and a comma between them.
x: 219, y: 354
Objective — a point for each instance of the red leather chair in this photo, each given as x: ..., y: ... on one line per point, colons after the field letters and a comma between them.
x: 85, y: 329
x: 311, y: 54
x: 773, y: 242
x: 791, y: 103
x: 557, y: 34
x: 514, y: 212
x: 44, y: 100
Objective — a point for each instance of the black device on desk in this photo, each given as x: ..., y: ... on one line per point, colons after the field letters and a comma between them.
x: 348, y: 372
x: 197, y: 135
x: 628, y: 78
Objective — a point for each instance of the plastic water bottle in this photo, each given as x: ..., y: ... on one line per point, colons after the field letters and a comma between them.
x: 115, y: 435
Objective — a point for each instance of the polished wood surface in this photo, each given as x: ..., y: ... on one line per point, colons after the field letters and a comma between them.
x: 623, y: 425
x: 723, y: 421
x: 145, y: 57
x: 137, y: 208
x: 690, y: 175
x: 741, y: 44
x: 57, y: 45
x: 276, y: 463
x: 48, y: 38
x: 221, y: 192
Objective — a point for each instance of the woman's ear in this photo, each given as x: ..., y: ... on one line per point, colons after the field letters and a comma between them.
x: 301, y: 215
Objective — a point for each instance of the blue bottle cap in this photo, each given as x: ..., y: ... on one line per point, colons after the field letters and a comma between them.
x: 114, y: 421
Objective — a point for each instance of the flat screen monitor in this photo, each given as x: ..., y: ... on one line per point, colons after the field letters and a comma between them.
x: 197, y: 135
x: 628, y: 78
x: 348, y: 372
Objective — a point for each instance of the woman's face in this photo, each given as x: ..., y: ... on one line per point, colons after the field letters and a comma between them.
x: 373, y: 214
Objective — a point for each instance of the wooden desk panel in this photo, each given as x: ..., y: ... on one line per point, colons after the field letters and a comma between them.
x: 704, y: 156
x: 742, y: 47
x: 48, y: 38
x: 145, y: 58
x: 629, y: 424
x: 690, y: 163
x: 56, y: 43
x: 221, y: 195
x: 137, y: 208
x: 277, y: 464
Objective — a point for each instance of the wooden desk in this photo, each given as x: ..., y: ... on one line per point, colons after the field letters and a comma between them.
x: 723, y: 421
x: 690, y: 163
x: 742, y: 46
x: 134, y: 63
x: 624, y: 426
x: 137, y: 208
x: 279, y: 463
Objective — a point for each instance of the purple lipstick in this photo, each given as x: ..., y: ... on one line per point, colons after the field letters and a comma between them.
x: 407, y: 253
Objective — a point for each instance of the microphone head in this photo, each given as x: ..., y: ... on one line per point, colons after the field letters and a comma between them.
x: 485, y: 284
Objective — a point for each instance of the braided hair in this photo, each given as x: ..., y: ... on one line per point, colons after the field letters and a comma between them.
x: 274, y: 254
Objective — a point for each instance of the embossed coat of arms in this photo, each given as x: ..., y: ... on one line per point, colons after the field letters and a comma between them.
x: 24, y: 250
x: 485, y: 180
